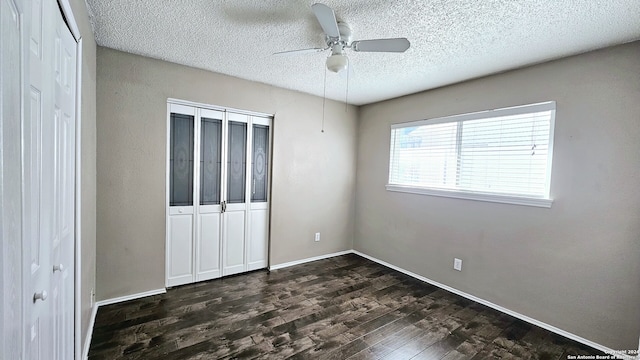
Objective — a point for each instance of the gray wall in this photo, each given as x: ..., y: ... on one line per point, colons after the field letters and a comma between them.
x: 88, y: 162
x: 313, y: 172
x: 574, y: 266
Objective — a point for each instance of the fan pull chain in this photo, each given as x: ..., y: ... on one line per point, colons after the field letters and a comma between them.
x: 346, y: 95
x: 324, y: 97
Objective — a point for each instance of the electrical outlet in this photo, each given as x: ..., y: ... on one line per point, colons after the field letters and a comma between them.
x: 317, y: 238
x: 457, y: 264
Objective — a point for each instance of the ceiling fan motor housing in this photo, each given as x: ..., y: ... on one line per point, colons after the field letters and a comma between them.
x: 345, y: 32
x: 344, y: 39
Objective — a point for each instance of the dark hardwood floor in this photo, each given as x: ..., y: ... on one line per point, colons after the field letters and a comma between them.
x: 346, y: 307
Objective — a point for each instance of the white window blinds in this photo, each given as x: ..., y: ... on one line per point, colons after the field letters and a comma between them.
x: 505, y: 151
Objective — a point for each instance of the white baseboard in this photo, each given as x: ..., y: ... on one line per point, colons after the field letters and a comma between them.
x: 497, y: 307
x: 302, y: 261
x: 130, y: 297
x: 94, y: 312
x: 517, y: 315
x: 87, y: 339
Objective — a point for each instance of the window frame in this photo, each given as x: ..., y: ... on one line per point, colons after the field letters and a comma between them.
x: 544, y: 201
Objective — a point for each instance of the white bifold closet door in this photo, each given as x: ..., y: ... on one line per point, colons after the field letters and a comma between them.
x: 49, y: 153
x: 218, y: 209
x: 209, y: 220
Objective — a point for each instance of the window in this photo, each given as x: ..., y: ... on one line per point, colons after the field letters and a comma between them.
x: 499, y: 155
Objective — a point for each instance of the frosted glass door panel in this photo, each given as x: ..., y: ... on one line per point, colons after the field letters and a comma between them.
x: 236, y: 165
x: 210, y: 161
x: 260, y: 163
x: 181, y: 160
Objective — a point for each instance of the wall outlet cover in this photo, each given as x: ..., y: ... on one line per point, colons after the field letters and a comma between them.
x: 457, y: 264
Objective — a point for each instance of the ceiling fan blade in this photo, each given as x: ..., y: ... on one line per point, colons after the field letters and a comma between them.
x: 327, y: 19
x: 381, y: 45
x: 300, y: 51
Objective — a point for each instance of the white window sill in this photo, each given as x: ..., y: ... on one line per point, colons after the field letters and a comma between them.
x: 505, y: 199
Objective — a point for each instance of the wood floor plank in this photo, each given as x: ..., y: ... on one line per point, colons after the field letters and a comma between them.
x: 345, y: 307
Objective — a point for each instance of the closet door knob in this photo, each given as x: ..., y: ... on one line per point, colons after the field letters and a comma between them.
x: 40, y: 296
x: 58, y: 268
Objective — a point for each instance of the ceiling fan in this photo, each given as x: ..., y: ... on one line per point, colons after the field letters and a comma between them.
x: 338, y: 38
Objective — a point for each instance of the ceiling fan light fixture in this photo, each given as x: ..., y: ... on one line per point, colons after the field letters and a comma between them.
x: 337, y: 62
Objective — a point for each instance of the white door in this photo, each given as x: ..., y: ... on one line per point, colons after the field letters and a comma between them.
x: 258, y: 239
x: 180, y: 195
x: 234, y: 208
x: 11, y: 263
x: 62, y: 251
x: 209, y: 193
x: 41, y: 225
x: 217, y: 197
x: 49, y: 183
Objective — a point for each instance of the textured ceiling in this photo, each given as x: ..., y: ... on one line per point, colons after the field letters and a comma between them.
x: 451, y: 40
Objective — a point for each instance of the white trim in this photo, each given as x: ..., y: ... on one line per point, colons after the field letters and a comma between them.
x: 98, y: 304
x: 131, y: 297
x: 552, y: 127
x: 166, y: 197
x: 182, y: 109
x: 78, y: 240
x: 384, y: 263
x: 496, y: 307
x: 514, y: 110
x: 302, y: 261
x: 457, y: 194
x: 195, y: 205
x: 216, y: 107
x: 87, y: 339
